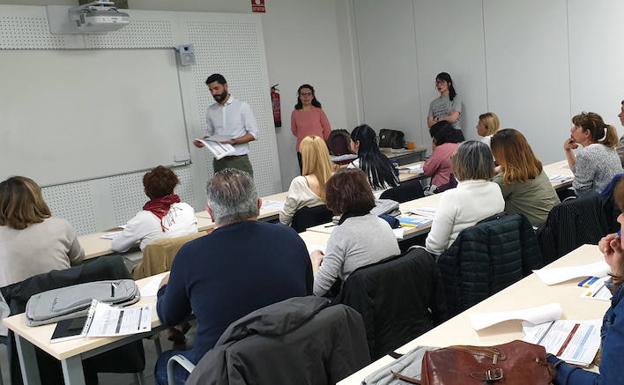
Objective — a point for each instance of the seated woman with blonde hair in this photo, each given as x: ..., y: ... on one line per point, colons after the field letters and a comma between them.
x: 162, y: 216
x: 487, y: 126
x: 523, y: 182
x: 308, y: 190
x: 31, y: 240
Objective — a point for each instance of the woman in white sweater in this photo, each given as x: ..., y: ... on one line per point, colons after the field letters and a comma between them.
x: 31, y: 240
x: 474, y: 199
x: 360, y: 239
x: 308, y: 190
x: 163, y: 215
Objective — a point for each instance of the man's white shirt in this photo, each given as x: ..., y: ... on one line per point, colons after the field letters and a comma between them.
x: 233, y: 119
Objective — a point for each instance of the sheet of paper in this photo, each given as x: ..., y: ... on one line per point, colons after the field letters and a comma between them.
x: 219, y: 150
x: 575, y: 342
x: 109, y: 321
x: 427, y: 212
x: 151, y: 288
x: 272, y: 205
x: 111, y: 235
x: 217, y: 138
x: 535, y: 315
x: 560, y: 178
x: 597, y: 290
x: 554, y: 275
x: 313, y: 247
x: 399, y: 233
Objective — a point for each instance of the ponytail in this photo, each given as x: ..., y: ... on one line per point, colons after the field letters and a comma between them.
x: 610, y: 138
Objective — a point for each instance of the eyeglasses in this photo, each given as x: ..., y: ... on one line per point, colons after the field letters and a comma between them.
x: 306, y: 94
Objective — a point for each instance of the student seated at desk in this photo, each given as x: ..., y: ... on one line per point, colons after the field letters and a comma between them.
x: 612, y: 333
x: 380, y: 172
x: 308, y: 190
x: 475, y: 197
x: 242, y: 266
x: 360, y: 239
x: 487, y: 126
x: 596, y: 162
x: 31, y: 240
x: 164, y: 214
x: 523, y: 182
x: 445, y: 140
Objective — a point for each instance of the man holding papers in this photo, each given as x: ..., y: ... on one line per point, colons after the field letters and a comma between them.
x: 612, y: 332
x: 231, y: 122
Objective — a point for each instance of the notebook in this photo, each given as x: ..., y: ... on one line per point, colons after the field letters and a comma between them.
x: 69, y: 329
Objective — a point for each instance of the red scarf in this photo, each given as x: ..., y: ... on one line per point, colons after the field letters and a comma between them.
x: 160, y: 206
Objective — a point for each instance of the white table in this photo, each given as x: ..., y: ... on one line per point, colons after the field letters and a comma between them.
x: 529, y: 292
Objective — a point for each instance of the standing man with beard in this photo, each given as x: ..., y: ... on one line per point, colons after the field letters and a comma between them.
x: 231, y: 118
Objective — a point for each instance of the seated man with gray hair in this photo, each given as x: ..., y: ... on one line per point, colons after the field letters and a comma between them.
x: 242, y: 266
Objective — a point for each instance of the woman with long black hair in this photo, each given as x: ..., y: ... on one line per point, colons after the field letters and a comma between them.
x: 380, y: 171
x: 448, y: 106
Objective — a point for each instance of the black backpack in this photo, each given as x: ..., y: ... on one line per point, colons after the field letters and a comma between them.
x: 391, y: 138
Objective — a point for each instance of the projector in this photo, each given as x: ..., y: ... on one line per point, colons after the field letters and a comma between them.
x: 98, y: 16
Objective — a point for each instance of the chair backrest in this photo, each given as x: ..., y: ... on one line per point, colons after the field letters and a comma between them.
x: 399, y: 299
x: 301, y: 340
x: 158, y: 256
x: 406, y: 191
x: 576, y: 222
x: 307, y: 217
x: 486, y: 258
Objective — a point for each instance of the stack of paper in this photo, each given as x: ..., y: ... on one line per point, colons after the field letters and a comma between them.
x: 413, y: 169
x: 218, y: 149
x: 596, y: 289
x: 108, y: 321
x: 553, y: 275
x: 575, y: 342
x: 560, y: 178
x: 272, y: 205
x: 428, y: 212
x: 414, y: 221
x: 534, y: 315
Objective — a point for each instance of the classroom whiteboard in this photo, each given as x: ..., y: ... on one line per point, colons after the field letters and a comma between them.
x: 69, y: 115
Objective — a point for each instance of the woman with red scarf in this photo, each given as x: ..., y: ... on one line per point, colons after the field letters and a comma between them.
x: 163, y: 215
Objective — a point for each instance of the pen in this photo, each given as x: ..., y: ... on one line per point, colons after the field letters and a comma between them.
x: 329, y: 225
x: 112, y: 290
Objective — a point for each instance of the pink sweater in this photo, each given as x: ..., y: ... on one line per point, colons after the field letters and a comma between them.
x: 438, y: 166
x: 307, y: 123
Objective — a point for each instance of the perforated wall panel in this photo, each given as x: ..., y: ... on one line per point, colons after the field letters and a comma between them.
x: 233, y: 49
x: 27, y: 32
x: 75, y: 203
x: 137, y: 34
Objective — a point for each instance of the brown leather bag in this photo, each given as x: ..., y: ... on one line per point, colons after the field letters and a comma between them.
x: 513, y: 363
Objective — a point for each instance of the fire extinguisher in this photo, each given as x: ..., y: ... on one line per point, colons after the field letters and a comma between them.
x: 275, y: 101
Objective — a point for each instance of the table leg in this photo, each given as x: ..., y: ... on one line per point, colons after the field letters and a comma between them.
x: 72, y: 371
x: 28, y: 361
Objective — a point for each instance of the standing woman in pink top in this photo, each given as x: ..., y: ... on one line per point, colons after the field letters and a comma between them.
x: 308, y: 119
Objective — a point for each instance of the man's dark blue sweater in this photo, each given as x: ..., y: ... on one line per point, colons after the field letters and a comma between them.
x: 231, y: 272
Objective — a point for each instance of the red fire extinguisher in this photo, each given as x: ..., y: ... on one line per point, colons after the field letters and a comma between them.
x: 275, y: 100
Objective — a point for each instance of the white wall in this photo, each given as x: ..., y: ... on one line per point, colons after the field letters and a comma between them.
x: 534, y: 63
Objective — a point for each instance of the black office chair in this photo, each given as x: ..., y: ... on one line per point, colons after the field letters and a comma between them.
x: 405, y: 192
x: 307, y: 217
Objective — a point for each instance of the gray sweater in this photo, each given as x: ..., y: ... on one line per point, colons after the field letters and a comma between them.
x: 358, y: 241
x: 39, y: 248
x: 595, y: 166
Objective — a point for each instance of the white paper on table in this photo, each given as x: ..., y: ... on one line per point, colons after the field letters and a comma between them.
x: 413, y: 169
x: 219, y: 150
x: 150, y: 289
x: 553, y: 275
x: 535, y: 315
x: 575, y: 342
x: 427, y: 212
x: 272, y: 205
x: 111, y: 235
x: 108, y: 321
x: 314, y: 247
x: 399, y: 233
x: 560, y: 178
x: 598, y: 290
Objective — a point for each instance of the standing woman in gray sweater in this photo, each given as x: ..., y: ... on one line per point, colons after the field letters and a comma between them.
x: 31, y: 240
x: 595, y: 162
x: 360, y: 239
